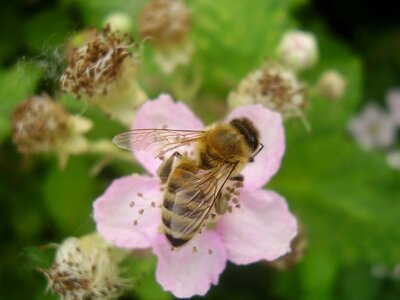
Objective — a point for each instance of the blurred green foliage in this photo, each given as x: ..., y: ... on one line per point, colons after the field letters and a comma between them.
x: 347, y: 199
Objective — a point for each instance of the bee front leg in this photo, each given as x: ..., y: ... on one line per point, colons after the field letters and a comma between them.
x: 165, y: 168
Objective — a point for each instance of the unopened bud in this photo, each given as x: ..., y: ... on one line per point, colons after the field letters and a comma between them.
x: 331, y: 85
x: 274, y: 86
x: 298, y: 49
x: 118, y: 21
x: 393, y: 103
x: 103, y: 72
x: 85, y: 268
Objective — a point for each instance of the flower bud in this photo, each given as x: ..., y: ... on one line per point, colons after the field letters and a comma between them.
x: 118, y: 21
x: 166, y: 24
x: 393, y: 159
x: 393, y: 103
x: 41, y: 125
x: 274, y: 86
x: 103, y: 72
x: 331, y: 85
x: 85, y: 268
x: 298, y: 49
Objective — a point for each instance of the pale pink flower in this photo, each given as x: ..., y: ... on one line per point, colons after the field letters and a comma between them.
x: 393, y: 103
x: 373, y: 128
x: 260, y: 228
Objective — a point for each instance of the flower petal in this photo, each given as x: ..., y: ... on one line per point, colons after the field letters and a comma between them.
x: 128, y: 213
x: 272, y: 136
x: 262, y: 228
x: 163, y: 112
x: 190, y: 271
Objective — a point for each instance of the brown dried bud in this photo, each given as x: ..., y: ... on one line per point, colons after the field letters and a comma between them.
x: 93, y: 67
x: 165, y: 22
x: 39, y: 124
x: 274, y: 86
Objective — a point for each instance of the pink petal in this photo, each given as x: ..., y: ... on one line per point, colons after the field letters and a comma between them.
x: 163, y: 112
x: 261, y: 228
x: 116, y: 211
x: 272, y: 136
x: 187, y: 272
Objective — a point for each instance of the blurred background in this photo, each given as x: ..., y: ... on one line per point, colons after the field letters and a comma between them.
x: 346, y: 197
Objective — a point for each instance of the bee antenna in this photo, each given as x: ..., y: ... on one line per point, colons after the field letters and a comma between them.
x: 251, y: 159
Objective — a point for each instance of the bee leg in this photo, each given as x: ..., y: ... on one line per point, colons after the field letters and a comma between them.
x: 238, y: 178
x: 166, y: 167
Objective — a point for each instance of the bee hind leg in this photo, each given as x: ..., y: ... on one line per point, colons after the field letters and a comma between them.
x: 165, y: 168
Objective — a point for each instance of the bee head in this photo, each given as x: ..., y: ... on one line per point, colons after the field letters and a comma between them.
x: 249, y: 132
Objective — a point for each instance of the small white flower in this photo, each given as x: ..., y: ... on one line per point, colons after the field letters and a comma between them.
x: 393, y: 103
x: 274, y: 86
x: 298, y: 49
x: 331, y: 85
x: 85, y: 268
x: 393, y: 159
x: 373, y: 128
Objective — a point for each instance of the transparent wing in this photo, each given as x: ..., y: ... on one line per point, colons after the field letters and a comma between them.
x: 197, y: 197
x: 156, y: 141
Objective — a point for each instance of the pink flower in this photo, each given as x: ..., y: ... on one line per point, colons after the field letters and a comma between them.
x: 128, y: 214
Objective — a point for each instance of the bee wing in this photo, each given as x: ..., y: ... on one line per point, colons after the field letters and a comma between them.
x: 156, y: 141
x: 199, y: 195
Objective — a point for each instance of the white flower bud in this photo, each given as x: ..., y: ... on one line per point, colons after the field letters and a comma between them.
x: 331, y: 85
x: 103, y: 72
x: 393, y: 103
x: 118, y: 21
x: 85, y: 268
x: 393, y: 159
x: 298, y: 49
x: 274, y: 86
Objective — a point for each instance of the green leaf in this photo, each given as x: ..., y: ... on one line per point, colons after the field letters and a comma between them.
x: 40, y: 38
x: 142, y: 271
x: 94, y: 12
x: 68, y: 196
x: 231, y: 40
x: 16, y: 84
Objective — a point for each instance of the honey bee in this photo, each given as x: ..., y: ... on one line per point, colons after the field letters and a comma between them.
x: 194, y: 184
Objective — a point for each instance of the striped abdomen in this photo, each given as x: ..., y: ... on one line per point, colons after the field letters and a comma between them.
x: 182, y: 209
